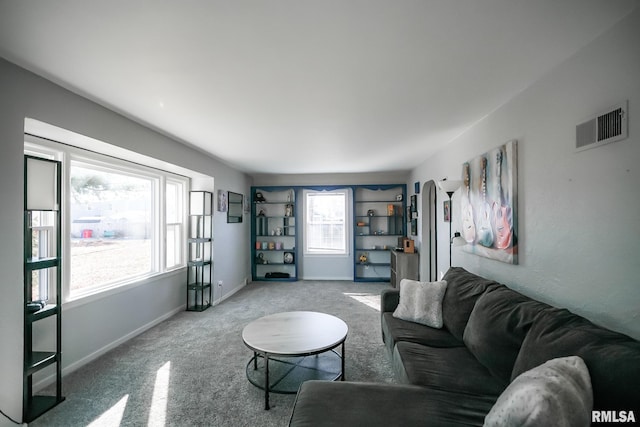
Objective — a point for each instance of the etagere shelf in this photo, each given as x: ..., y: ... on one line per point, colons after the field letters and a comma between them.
x: 42, y: 276
x: 378, y: 223
x: 200, y: 247
x: 273, y: 233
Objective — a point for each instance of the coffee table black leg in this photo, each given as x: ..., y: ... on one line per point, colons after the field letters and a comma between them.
x: 342, y: 362
x: 255, y: 361
x: 266, y: 382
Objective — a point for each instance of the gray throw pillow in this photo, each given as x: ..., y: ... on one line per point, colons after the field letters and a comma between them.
x: 421, y: 302
x: 556, y: 393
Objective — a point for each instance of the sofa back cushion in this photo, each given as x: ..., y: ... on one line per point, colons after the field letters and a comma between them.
x: 463, y: 289
x: 497, y: 326
x: 613, y: 359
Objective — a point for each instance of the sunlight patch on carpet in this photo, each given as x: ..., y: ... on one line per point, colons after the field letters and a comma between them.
x: 370, y: 300
x: 112, y: 416
x: 158, y: 410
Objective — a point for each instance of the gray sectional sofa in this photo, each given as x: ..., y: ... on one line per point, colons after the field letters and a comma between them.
x: 455, y: 375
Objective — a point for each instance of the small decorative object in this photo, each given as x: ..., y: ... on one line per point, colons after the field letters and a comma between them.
x: 288, y: 258
x: 272, y: 246
x: 360, y: 223
x: 363, y: 258
x: 409, y: 246
x: 265, y: 246
x: 371, y: 212
x: 390, y: 209
x: 259, y: 198
x: 278, y: 246
x: 288, y: 210
x: 273, y: 231
x: 258, y: 245
x: 262, y: 213
x: 278, y: 231
x: 260, y: 259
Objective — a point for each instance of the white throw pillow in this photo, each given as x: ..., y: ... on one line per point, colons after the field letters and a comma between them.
x: 556, y: 393
x: 421, y: 302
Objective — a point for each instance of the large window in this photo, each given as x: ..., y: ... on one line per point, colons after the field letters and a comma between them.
x: 124, y: 222
x: 325, y: 223
x: 112, y: 226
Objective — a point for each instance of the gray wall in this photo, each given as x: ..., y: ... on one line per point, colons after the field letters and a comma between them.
x: 578, y: 212
x: 92, y: 328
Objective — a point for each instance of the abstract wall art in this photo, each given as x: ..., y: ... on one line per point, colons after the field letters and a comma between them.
x: 489, y: 207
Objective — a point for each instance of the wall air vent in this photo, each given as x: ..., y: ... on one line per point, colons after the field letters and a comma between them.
x: 609, y: 126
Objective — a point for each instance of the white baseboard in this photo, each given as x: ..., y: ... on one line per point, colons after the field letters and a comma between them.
x: 236, y: 289
x: 96, y: 354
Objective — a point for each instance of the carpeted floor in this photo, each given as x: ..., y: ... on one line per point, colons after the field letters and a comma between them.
x: 190, y: 369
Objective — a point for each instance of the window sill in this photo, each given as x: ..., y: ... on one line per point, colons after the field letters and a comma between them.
x: 326, y: 255
x: 90, y: 297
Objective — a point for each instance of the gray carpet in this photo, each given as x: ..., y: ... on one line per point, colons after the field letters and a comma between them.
x: 190, y: 369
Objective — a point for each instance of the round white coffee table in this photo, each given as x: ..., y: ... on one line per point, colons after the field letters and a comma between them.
x: 287, y: 340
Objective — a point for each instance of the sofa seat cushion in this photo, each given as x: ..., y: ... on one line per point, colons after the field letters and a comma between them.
x: 497, y: 326
x: 463, y: 289
x: 395, y: 330
x: 613, y: 359
x: 452, y: 369
x: 324, y: 404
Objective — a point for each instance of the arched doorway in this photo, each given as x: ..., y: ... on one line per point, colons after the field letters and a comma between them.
x: 428, y: 238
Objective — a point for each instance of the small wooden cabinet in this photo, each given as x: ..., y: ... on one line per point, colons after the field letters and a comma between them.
x: 404, y: 266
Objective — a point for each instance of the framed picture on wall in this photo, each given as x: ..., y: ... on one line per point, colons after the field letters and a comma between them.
x: 489, y: 204
x: 447, y: 210
x: 222, y: 201
x: 414, y: 227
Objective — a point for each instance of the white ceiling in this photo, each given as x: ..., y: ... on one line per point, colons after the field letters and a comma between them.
x: 301, y: 86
